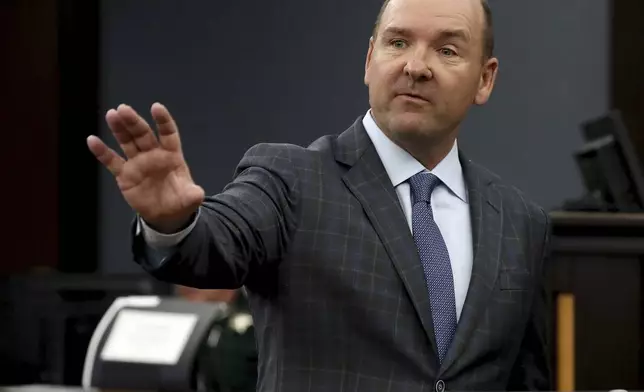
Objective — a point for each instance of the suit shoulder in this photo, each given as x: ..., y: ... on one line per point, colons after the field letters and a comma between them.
x: 520, y: 199
x: 292, y: 154
x: 273, y: 151
x: 287, y: 161
x: 514, y: 196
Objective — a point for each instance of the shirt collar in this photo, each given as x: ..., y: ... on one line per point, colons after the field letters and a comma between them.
x: 400, y: 165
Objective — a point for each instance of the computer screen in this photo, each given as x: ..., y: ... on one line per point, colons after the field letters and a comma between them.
x: 611, y: 170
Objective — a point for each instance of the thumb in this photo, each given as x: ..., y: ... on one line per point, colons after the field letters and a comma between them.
x: 195, y: 194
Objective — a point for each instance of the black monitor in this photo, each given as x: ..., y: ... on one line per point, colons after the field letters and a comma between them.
x: 611, y: 170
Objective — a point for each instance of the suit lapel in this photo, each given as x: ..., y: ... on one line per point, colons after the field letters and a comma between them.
x: 487, y: 232
x: 369, y: 182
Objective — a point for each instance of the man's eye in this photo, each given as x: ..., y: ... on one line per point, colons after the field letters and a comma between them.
x: 447, y: 52
x: 398, y: 44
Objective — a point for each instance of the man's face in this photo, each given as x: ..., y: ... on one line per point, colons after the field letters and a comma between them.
x: 426, y: 67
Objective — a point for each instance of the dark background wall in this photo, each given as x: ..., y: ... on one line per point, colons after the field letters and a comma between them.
x: 239, y: 73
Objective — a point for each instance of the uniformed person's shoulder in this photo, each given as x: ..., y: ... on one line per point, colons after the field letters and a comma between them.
x: 229, y: 357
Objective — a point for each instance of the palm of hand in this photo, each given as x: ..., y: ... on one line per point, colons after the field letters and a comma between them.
x: 156, y: 183
x: 154, y: 179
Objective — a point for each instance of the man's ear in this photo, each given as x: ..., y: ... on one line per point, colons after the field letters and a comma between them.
x: 488, y: 78
x: 368, y: 61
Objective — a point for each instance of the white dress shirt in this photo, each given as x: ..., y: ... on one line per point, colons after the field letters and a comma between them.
x: 449, y: 202
x: 449, y: 205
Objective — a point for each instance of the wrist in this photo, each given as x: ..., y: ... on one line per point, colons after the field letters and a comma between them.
x: 170, y: 226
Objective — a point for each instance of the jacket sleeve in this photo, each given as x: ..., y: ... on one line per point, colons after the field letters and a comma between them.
x: 241, y: 232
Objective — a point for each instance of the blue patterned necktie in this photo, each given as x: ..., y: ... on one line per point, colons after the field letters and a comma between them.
x: 435, y: 259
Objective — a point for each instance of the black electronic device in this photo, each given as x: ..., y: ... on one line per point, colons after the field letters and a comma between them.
x: 611, y: 170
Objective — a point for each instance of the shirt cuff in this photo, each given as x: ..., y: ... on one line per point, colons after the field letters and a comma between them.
x: 157, y: 240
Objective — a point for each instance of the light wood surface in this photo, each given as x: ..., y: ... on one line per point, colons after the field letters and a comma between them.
x: 565, y: 342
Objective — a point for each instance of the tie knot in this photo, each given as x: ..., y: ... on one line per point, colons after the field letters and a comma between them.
x: 422, y: 186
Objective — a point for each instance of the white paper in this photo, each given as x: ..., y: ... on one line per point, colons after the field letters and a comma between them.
x: 152, y: 337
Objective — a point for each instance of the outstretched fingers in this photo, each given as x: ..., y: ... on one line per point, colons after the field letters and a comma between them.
x: 138, y: 128
x: 121, y: 134
x: 166, y: 127
x: 108, y: 157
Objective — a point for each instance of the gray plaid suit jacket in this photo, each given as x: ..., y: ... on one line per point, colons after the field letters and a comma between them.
x: 336, y: 287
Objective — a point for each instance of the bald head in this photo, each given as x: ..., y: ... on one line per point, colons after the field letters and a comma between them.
x: 488, y: 28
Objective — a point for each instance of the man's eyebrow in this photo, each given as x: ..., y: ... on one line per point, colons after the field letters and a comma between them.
x: 444, y: 34
x: 393, y: 30
x: 454, y: 33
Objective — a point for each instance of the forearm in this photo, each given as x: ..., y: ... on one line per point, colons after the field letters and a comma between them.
x: 218, y: 252
x: 243, y: 229
x: 205, y: 258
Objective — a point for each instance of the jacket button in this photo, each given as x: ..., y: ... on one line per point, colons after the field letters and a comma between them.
x: 440, y: 386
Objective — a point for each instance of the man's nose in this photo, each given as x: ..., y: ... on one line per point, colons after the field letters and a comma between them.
x: 418, y: 70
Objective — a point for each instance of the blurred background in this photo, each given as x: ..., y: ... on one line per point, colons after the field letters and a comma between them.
x: 565, y: 124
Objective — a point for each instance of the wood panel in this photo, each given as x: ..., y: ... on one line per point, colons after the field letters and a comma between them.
x: 627, y: 63
x: 598, y: 259
x: 29, y: 118
x: 48, y: 107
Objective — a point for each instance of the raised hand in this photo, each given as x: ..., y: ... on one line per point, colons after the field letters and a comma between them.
x: 153, y: 177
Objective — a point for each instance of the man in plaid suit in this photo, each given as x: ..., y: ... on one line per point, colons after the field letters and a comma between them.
x: 380, y: 259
